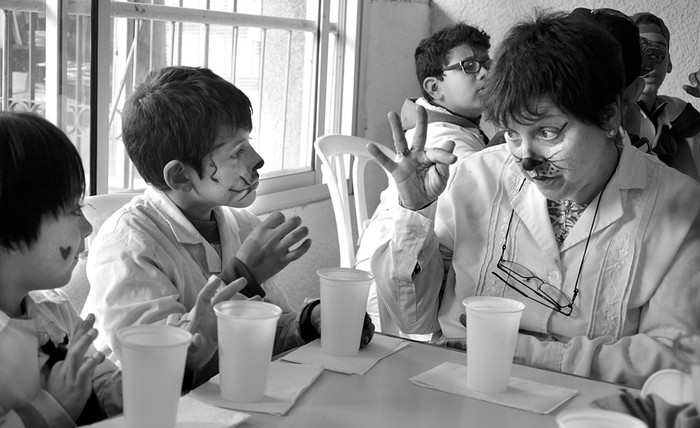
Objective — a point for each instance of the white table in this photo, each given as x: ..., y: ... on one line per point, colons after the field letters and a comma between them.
x: 385, y: 398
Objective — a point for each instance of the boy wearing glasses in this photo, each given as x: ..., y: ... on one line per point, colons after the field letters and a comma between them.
x: 451, y: 67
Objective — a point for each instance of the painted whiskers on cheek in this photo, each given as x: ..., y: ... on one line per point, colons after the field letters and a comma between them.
x: 548, y: 167
x: 212, y: 177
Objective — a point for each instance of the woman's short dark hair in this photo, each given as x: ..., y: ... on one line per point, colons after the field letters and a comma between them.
x: 431, y: 55
x: 177, y: 114
x: 573, y: 62
x: 41, y: 174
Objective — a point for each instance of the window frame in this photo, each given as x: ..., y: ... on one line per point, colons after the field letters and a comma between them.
x: 335, y: 85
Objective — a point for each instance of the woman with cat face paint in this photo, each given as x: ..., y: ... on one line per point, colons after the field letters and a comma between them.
x: 599, y: 240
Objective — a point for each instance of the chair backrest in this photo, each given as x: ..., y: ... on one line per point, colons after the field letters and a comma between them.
x: 96, y: 209
x: 334, y: 151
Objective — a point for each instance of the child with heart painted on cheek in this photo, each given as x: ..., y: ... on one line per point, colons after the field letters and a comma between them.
x: 50, y: 372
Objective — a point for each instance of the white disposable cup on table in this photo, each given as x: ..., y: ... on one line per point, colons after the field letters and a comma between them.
x: 343, y: 302
x: 246, y: 334
x: 597, y: 418
x: 153, y: 364
x: 492, y: 330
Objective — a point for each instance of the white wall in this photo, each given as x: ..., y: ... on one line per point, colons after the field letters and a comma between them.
x: 299, y: 277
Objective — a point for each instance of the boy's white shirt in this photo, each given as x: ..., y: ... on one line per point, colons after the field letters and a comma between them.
x: 50, y: 313
x: 148, y: 263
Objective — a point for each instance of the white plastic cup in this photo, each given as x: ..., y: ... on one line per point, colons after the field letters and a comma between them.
x: 492, y: 329
x: 153, y: 364
x: 343, y: 301
x: 246, y: 333
x: 597, y: 418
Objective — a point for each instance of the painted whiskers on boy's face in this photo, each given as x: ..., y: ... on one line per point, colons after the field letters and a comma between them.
x: 230, y: 172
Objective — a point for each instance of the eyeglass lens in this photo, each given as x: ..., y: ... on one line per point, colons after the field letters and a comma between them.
x: 474, y: 66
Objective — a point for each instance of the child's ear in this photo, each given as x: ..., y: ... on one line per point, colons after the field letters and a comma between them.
x: 670, y: 65
x: 612, y: 116
x: 433, y: 86
x: 177, y: 176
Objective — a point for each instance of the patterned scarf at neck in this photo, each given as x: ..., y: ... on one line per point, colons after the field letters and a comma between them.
x: 564, y: 215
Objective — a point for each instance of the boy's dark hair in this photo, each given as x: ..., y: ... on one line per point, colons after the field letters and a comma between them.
x: 177, y: 114
x: 573, y: 62
x: 624, y: 31
x: 648, y: 18
x: 41, y: 173
x: 431, y: 55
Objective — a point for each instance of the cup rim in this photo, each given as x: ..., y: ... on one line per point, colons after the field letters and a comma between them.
x: 362, y: 275
x: 184, y: 336
x: 594, y: 414
x: 273, y: 311
x: 515, y: 305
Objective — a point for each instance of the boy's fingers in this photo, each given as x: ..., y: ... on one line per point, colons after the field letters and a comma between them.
x: 229, y: 291
x: 88, y: 366
x: 197, y: 341
x: 83, y: 326
x: 78, y: 348
x: 297, y: 252
x: 286, y: 227
x: 273, y: 220
x: 293, y: 238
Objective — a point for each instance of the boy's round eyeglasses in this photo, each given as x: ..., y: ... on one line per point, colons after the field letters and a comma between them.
x: 469, y: 66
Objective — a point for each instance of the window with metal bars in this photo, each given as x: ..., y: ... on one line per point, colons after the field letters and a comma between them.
x: 288, y: 56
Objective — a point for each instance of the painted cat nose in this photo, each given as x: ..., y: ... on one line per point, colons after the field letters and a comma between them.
x: 529, y: 164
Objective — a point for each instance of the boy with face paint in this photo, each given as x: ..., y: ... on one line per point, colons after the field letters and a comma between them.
x: 187, y: 130
x: 677, y: 123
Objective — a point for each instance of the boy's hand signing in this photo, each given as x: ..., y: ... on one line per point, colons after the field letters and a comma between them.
x: 268, y: 248
x: 694, y: 87
x: 203, y: 327
x: 70, y: 380
x: 420, y: 175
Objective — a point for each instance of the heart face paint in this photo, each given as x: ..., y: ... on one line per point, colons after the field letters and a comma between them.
x: 65, y: 252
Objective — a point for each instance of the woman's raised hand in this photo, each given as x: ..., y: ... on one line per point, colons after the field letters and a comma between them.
x: 420, y: 175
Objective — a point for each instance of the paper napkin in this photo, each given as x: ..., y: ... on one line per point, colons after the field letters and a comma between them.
x: 191, y: 413
x: 380, y: 347
x: 285, y: 383
x: 521, y: 394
